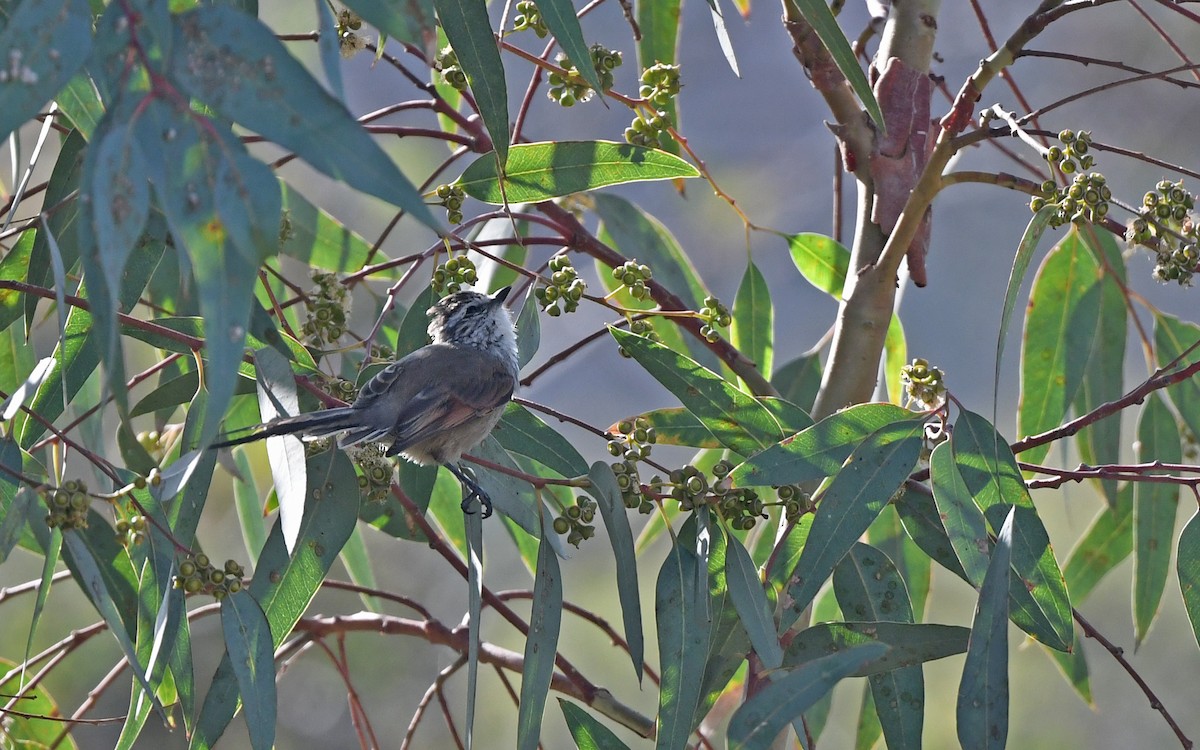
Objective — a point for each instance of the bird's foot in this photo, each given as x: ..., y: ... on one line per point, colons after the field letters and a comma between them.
x: 474, y: 491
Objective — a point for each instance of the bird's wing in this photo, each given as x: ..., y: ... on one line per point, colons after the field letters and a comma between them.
x: 481, y: 385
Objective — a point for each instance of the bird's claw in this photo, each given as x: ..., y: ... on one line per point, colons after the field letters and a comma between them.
x: 485, y: 503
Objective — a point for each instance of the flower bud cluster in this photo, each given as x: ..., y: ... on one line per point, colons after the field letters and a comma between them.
x: 446, y: 62
x: 1086, y: 198
x: 450, y: 277
x: 350, y: 42
x: 326, y: 305
x: 198, y: 575
x: 576, y: 520
x: 565, y: 289
x: 68, y: 505
x: 633, y: 276
x: 529, y: 17
x: 568, y: 88
x: 742, y: 507
x: 632, y: 442
x: 660, y: 85
x: 924, y: 385
x: 1165, y: 222
x: 131, y: 531
x: 715, y: 315
x: 375, y: 471
x: 451, y: 197
x: 642, y: 327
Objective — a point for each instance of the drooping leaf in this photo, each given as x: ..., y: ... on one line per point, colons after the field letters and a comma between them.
x: 235, y: 65
x: 734, y: 417
x: 469, y: 30
x: 560, y: 19
x: 754, y: 319
x: 818, y: 14
x: 759, y: 720
x: 607, y: 493
x: 983, y: 691
x: 718, y: 19
x: 675, y: 425
x: 728, y: 644
x: 314, y: 237
x: 895, y: 357
x: 541, y: 645
x: 909, y: 644
x: 818, y: 451
x: 887, y: 534
x: 748, y: 596
x: 855, y: 496
x: 588, y: 733
x: 1029, y: 242
x: 1060, y: 327
x: 1154, y: 508
x: 522, y: 432
x: 1041, y: 605
x: 409, y: 22
x: 821, y: 260
x: 799, y: 380
x: 543, y: 171
x: 1172, y: 337
x: 964, y: 522
x: 1105, y: 543
x: 1188, y: 567
x: 251, y: 651
x: 285, y: 453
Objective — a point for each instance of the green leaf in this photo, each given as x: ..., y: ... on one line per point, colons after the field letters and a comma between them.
x: 81, y: 104
x: 543, y: 171
x: 923, y: 523
x: 469, y: 30
x: 284, y: 585
x: 1103, y: 380
x: 728, y: 644
x: 1041, y: 605
x: 869, y: 586
x: 821, y: 260
x: 1154, y: 508
x: 473, y: 530
x: 759, y: 720
x: 965, y: 525
x: 684, y: 626
x: 908, y: 644
x: 32, y: 731
x: 1074, y: 669
x: 855, y: 496
x: 1060, y: 327
x: 23, y: 509
x: 1107, y: 541
x: 746, y: 591
x: 718, y: 20
x: 234, y: 64
x: 251, y: 652
x: 659, y: 23
x: 734, y: 417
x: 46, y: 43
x: 541, y: 645
x: 754, y: 319
x: 983, y: 691
x: 522, y: 432
x: 818, y: 14
x: 1172, y: 337
x: 612, y: 511
x: 799, y: 380
x: 675, y: 425
x: 887, y: 534
x: 249, y: 508
x: 314, y: 237
x: 588, y: 733
x: 791, y: 418
x: 1029, y: 242
x: 818, y: 451
x: 559, y: 16
x: 895, y: 357
x: 408, y: 22
x: 1188, y: 567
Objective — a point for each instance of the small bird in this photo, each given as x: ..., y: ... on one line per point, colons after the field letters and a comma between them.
x: 434, y: 404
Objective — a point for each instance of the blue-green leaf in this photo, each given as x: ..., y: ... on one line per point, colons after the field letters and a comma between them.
x: 1154, y: 508
x: 748, y: 596
x: 44, y: 43
x: 409, y: 21
x: 541, y: 645
x: 560, y: 18
x: 469, y: 30
x: 1188, y: 567
x: 234, y: 64
x: 855, y: 496
x: 983, y: 692
x: 588, y: 733
x: 756, y: 724
x: 1105, y: 543
x: 964, y: 522
x: 612, y: 511
x: 251, y: 652
x: 681, y: 610
x: 818, y: 14
x: 1172, y: 337
x: 753, y: 320
x: 1029, y: 242
x: 522, y: 432
x: 908, y: 643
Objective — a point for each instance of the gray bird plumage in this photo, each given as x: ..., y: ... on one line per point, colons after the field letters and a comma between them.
x: 434, y: 404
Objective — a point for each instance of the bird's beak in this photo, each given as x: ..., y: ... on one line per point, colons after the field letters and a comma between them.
x: 500, y: 294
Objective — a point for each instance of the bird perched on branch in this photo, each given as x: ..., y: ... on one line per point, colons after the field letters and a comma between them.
x: 433, y: 404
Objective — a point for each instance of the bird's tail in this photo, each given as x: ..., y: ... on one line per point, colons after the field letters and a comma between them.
x: 316, y: 424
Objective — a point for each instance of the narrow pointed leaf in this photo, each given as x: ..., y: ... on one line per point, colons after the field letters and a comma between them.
x: 588, y: 733
x: 895, y: 357
x: 473, y: 523
x: 1154, y: 509
x: 285, y: 453
x: 559, y: 16
x: 818, y: 451
x: 469, y: 30
x: 316, y: 238
x: 1041, y: 605
x: 718, y: 20
x: 543, y: 171
x: 872, y: 472
x: 49, y: 41
x: 734, y: 417
x: 1060, y: 327
x: 983, y: 691
x: 1029, y: 242
x: 1172, y: 337
x: 908, y: 644
x: 522, y: 432
x: 964, y: 522
x: 234, y: 64
x: 541, y: 645
x: 759, y: 720
x: 251, y: 652
x: 748, y: 596
x: 16, y: 400
x: 675, y: 425
x: 409, y: 22
x: 683, y: 638
x: 754, y: 319
x: 1188, y: 567
x: 1105, y: 543
x: 818, y: 14
x: 607, y: 493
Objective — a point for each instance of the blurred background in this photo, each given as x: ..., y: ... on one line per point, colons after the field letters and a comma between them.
x: 763, y: 139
